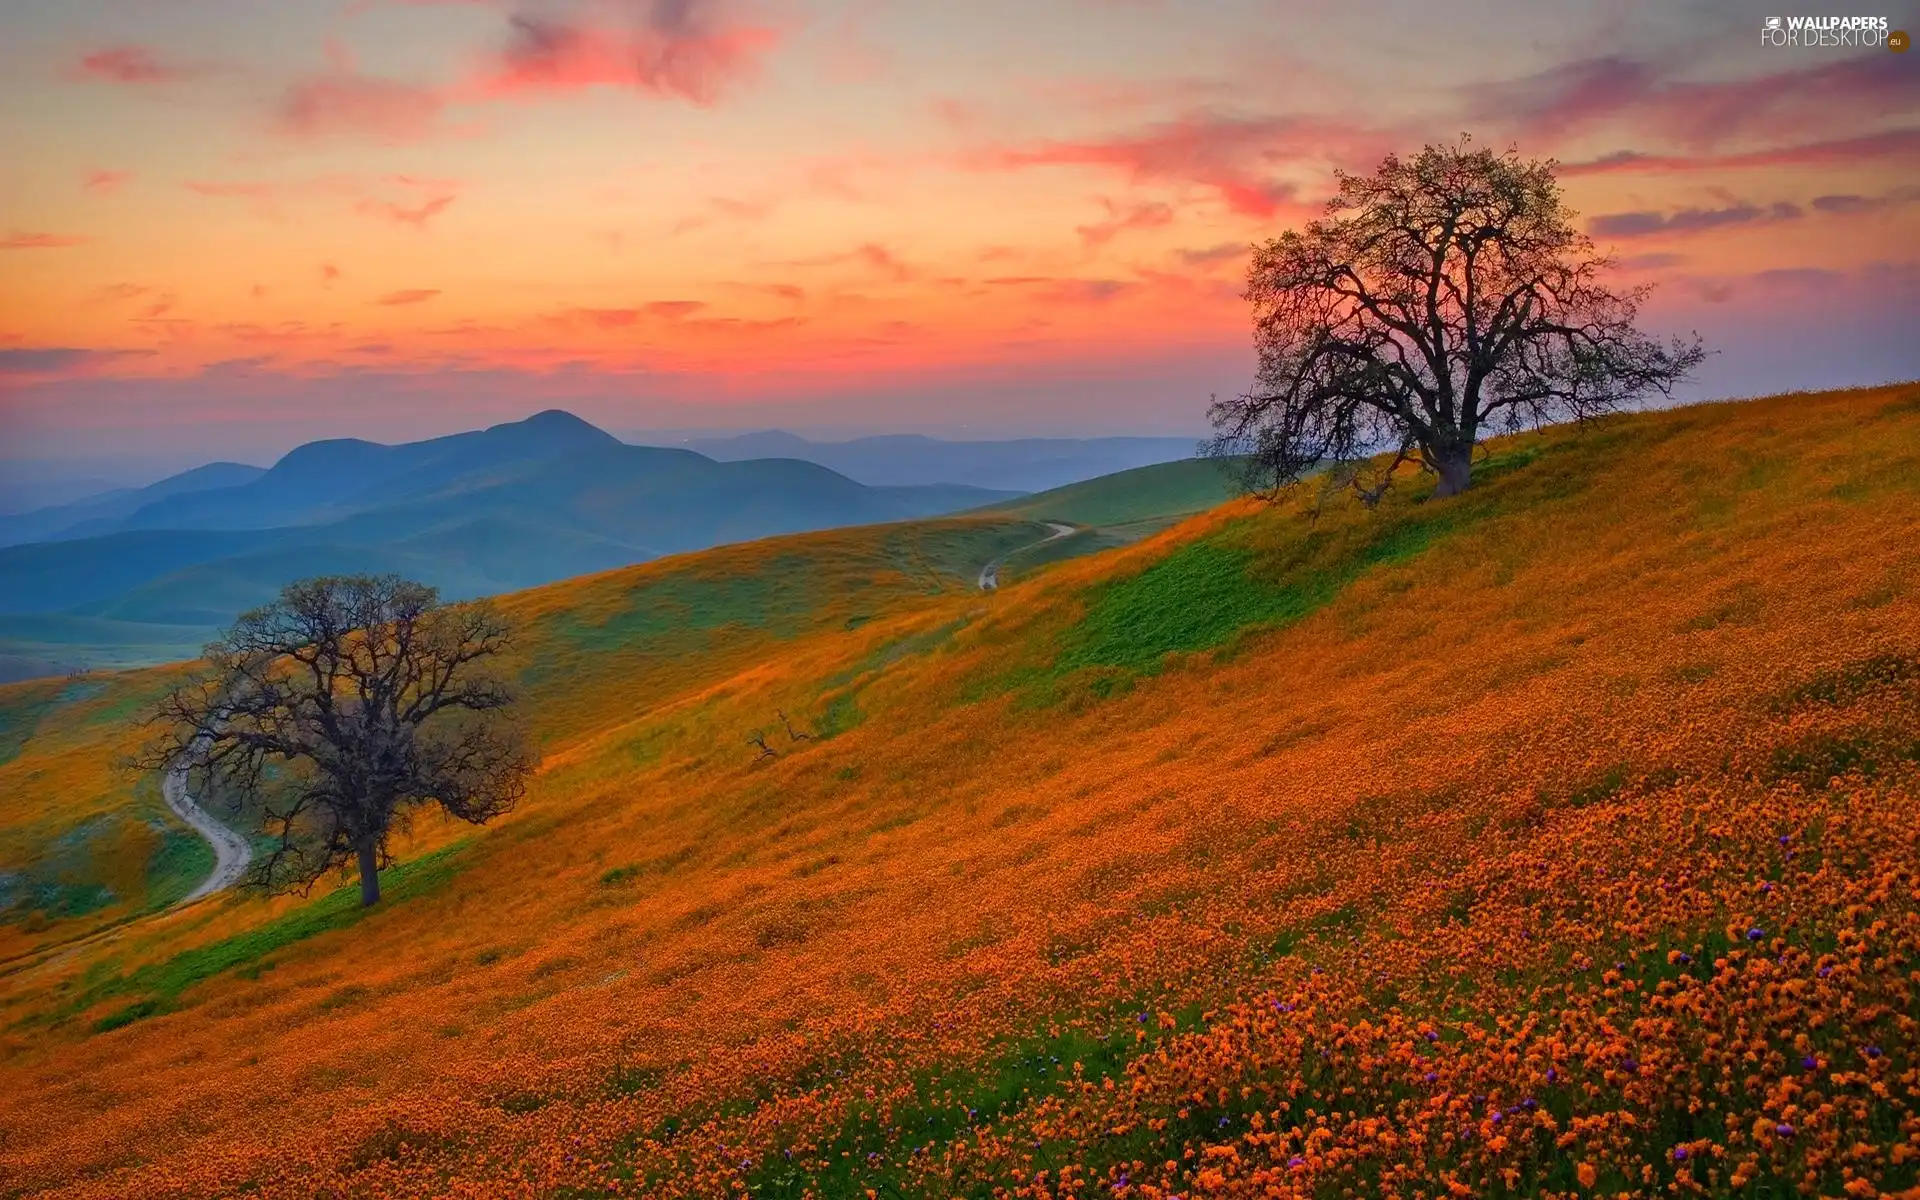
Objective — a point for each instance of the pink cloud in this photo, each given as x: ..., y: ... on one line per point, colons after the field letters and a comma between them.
x: 683, y: 48
x: 342, y: 101
x: 1119, y: 221
x: 1233, y: 156
x: 40, y: 241
x: 106, y: 182
x: 115, y: 292
x: 409, y: 296
x: 416, y: 216
x: 233, y: 191
x: 872, y: 256
x: 673, y: 310
x: 130, y: 64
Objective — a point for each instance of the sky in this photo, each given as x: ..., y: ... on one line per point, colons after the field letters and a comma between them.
x: 230, y: 226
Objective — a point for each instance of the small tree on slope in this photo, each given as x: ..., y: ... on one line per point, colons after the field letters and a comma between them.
x: 1441, y: 299
x: 336, y: 711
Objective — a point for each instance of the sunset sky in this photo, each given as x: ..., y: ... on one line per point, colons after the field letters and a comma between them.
x: 228, y: 226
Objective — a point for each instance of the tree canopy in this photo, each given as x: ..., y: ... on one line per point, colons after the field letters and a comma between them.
x: 1442, y: 299
x: 333, y: 713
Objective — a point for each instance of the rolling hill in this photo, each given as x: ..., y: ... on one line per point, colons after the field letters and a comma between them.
x: 1555, y: 839
x: 473, y: 514
x: 1019, y: 464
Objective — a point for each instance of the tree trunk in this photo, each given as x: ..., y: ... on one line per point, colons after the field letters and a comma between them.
x: 369, y: 872
x: 1456, y: 470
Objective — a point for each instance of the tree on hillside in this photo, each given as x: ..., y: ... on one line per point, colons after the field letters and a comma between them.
x: 1441, y: 300
x: 338, y: 710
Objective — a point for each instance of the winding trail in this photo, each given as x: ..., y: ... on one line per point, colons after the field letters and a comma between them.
x: 990, y: 574
x: 231, y: 852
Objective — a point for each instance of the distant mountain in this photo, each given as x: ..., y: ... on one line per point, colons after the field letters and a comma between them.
x: 1021, y: 465
x: 104, y: 508
x: 500, y: 509
x: 323, y: 481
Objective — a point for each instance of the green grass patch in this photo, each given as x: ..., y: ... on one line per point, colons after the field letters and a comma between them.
x: 873, y: 1145
x: 1815, y: 759
x: 1845, y: 684
x: 160, y: 984
x: 1160, y: 491
x: 177, y: 865
x: 1210, y: 591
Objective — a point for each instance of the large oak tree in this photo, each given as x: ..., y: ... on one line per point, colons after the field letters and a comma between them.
x: 339, y: 709
x: 1442, y: 299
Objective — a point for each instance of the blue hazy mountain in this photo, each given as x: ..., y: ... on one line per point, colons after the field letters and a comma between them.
x: 104, y: 508
x: 503, y: 508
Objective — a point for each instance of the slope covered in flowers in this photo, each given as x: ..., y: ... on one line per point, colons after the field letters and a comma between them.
x: 1555, y: 839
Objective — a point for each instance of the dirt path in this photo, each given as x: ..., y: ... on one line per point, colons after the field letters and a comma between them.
x: 231, y: 853
x: 990, y: 574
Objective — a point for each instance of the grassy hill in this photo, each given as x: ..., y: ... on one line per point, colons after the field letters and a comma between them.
x: 1554, y: 839
x: 1118, y: 509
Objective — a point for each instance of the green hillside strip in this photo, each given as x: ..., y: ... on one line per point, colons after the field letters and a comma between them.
x: 1164, y: 490
x: 159, y: 985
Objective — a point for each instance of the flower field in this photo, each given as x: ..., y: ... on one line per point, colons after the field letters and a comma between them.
x: 1557, y: 839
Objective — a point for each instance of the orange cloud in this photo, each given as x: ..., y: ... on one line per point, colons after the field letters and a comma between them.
x: 409, y: 296
x: 40, y: 241
x: 106, y: 181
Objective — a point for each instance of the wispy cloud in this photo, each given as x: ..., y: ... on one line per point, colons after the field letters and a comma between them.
x: 1852, y: 204
x: 1572, y: 98
x: 690, y: 49
x: 1206, y: 256
x: 132, y: 64
x: 409, y: 296
x: 57, y: 360
x: 417, y: 215
x: 1124, y: 219
x: 40, y: 241
x: 873, y: 256
x: 344, y: 101
x: 1690, y: 220
x: 1895, y: 144
x: 1239, y: 158
x: 104, y: 181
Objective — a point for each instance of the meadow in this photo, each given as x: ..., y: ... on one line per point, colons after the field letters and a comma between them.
x: 1557, y: 839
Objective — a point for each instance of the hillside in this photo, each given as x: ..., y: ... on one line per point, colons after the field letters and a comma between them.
x: 1018, y: 464
x: 1554, y: 839
x: 474, y: 514
x: 1118, y: 509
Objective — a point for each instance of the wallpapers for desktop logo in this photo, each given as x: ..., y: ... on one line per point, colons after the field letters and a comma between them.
x: 1837, y: 32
